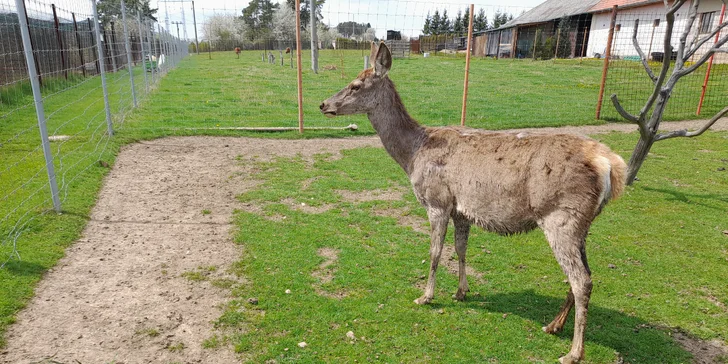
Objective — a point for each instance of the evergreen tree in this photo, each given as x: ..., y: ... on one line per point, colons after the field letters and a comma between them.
x: 480, y: 22
x: 466, y: 21
x: 427, y: 28
x: 435, y: 23
x: 458, y: 24
x: 445, y: 24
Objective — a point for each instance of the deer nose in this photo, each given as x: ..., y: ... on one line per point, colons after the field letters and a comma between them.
x: 321, y: 107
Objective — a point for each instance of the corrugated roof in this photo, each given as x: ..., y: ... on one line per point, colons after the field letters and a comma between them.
x: 605, y: 5
x: 553, y: 9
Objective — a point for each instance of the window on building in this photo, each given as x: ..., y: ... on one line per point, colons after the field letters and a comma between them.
x: 706, y: 22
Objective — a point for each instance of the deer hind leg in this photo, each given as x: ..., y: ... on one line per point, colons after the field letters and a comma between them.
x: 438, y: 223
x: 462, y: 231
x: 558, y: 323
x: 567, y: 242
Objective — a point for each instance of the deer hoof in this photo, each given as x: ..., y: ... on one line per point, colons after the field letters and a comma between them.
x: 551, y: 330
x: 569, y: 359
x: 459, y: 296
x: 423, y: 300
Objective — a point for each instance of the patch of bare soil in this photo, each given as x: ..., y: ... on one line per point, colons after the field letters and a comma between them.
x: 124, y: 292
x: 394, y: 194
x: 137, y: 287
x: 325, y: 273
x: 625, y: 127
x: 704, y: 352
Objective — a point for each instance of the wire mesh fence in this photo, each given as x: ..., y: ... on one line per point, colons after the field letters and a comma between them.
x: 243, y: 73
x: 430, y: 57
x: 644, y: 31
x: 69, y: 78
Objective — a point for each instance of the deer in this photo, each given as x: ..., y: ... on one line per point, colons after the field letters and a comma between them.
x: 503, y: 182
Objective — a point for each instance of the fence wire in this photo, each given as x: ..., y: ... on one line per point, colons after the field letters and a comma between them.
x: 243, y: 74
x: 80, y: 111
x: 630, y: 81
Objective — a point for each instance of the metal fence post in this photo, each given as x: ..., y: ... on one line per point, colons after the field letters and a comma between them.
x: 153, y: 47
x: 141, y: 45
x: 38, y: 98
x: 128, y: 52
x: 107, y: 106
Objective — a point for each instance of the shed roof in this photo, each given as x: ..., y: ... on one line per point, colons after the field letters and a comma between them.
x: 553, y: 9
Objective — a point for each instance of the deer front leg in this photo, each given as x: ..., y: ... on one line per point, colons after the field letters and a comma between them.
x: 462, y: 231
x: 438, y: 225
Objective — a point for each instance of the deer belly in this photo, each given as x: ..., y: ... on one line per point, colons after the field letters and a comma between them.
x: 505, y: 219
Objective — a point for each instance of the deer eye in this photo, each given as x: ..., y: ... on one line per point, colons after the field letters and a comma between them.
x: 355, y: 87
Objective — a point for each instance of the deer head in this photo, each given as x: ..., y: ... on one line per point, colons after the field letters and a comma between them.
x: 361, y: 95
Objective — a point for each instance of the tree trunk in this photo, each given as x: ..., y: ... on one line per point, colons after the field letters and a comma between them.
x: 638, y: 156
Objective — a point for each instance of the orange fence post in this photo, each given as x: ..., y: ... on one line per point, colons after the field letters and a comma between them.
x: 710, y: 64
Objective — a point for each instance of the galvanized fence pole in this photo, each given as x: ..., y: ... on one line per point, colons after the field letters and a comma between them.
x: 102, y: 64
x: 141, y: 46
x: 38, y: 98
x: 161, y: 47
x: 153, y: 47
x: 128, y: 53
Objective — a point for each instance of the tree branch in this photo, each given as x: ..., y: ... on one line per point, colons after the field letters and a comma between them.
x: 622, y: 111
x: 692, y: 14
x: 643, y: 58
x: 706, y: 39
x: 631, y: 118
x: 667, y: 47
x: 685, y: 133
x: 705, y: 57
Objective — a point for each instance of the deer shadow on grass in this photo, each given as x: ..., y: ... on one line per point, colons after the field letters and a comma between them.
x: 636, y: 340
x: 707, y: 200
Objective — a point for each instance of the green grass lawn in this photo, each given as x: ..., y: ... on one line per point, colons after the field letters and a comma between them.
x: 659, y: 257
x: 664, y: 237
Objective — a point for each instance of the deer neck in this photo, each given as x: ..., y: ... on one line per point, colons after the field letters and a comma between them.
x: 401, y: 135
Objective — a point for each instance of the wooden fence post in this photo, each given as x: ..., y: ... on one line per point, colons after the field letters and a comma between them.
x: 78, y: 44
x: 607, y: 54
x: 60, y: 41
x: 32, y: 46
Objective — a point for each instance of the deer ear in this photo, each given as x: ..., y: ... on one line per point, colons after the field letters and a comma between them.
x: 383, y: 61
x: 373, y: 54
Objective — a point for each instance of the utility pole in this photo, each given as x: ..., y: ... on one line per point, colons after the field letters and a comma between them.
x: 194, y: 20
x: 177, y: 23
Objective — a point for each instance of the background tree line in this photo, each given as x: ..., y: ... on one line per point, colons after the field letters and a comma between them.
x: 440, y: 24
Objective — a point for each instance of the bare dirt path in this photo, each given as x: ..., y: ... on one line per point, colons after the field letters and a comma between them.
x: 120, y: 295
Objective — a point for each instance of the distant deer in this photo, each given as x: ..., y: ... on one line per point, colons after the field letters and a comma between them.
x: 506, y: 183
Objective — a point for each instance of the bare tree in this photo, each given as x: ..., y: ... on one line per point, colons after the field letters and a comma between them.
x: 650, y: 116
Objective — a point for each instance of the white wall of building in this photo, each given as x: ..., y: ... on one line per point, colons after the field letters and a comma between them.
x: 622, y: 44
